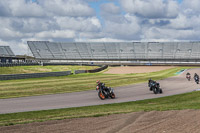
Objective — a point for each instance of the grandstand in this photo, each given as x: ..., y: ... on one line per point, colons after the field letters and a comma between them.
x: 8, y: 58
x: 6, y: 54
x: 6, y: 51
x: 117, y: 52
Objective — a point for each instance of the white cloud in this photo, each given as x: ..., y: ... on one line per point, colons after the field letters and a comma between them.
x: 45, y: 8
x: 7, y: 34
x: 171, y: 34
x: 111, y: 12
x: 151, y: 9
x: 56, y: 34
x: 110, y: 8
x: 91, y: 35
x: 78, y: 23
x: 75, y: 8
x: 21, y: 8
x: 99, y: 40
x: 172, y: 9
x: 191, y: 5
x: 127, y: 29
x: 181, y: 22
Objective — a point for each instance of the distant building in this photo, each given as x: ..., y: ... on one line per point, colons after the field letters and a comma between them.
x: 7, y: 56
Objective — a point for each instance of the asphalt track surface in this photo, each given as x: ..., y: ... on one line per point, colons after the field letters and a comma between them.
x: 171, y: 86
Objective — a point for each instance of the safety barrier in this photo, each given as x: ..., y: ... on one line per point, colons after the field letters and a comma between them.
x: 34, y: 75
x: 48, y: 74
x: 80, y: 71
x: 91, y: 71
x: 17, y: 64
x: 97, y: 70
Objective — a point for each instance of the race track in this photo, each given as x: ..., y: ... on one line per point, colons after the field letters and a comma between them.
x: 171, y: 86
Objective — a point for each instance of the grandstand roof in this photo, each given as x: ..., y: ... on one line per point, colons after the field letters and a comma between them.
x: 5, y: 51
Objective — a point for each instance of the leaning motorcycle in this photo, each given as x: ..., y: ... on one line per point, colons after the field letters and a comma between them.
x: 188, y: 77
x: 155, y: 87
x: 196, y: 79
x: 105, y: 92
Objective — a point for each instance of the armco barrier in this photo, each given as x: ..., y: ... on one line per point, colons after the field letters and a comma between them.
x: 97, y: 70
x: 17, y: 64
x: 49, y: 74
x: 90, y: 71
x: 80, y: 71
x: 33, y: 75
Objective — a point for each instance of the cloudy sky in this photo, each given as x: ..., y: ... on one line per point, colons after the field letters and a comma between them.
x: 97, y: 20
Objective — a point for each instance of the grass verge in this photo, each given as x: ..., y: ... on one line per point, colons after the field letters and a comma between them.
x: 176, y: 102
x: 75, y: 83
x: 42, y: 69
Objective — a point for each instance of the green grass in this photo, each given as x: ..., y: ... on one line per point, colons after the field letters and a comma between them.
x: 41, y: 69
x: 176, y: 102
x: 75, y: 83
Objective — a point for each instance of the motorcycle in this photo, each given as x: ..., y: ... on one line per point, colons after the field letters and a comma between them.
x: 105, y: 92
x: 196, y: 79
x: 155, y: 87
x: 188, y: 77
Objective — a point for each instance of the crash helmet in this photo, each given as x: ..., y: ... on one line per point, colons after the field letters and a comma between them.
x: 98, y: 81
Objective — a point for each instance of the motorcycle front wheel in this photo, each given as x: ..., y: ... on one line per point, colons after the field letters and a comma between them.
x: 161, y: 91
x: 112, y: 95
x: 101, y: 95
x: 155, y: 90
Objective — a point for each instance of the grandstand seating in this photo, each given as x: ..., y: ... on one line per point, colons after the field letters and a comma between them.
x: 114, y: 50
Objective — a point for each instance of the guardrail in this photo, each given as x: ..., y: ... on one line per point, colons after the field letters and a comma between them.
x: 48, y: 74
x: 91, y: 71
x: 17, y: 64
x: 97, y: 70
x: 33, y: 75
x: 80, y: 71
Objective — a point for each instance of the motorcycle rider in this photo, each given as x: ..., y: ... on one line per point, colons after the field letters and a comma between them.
x: 196, y: 76
x: 188, y: 76
x: 188, y: 73
x: 154, y: 86
x: 103, y: 91
x: 150, y: 83
x: 101, y: 85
